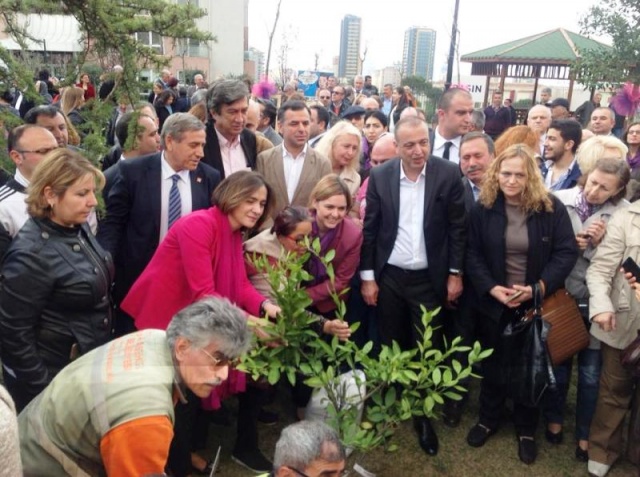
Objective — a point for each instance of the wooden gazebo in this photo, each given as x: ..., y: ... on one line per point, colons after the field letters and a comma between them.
x: 548, y: 55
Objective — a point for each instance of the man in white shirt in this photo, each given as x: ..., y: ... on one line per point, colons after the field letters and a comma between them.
x: 292, y: 168
x: 454, y: 121
x: 28, y: 145
x: 414, y: 240
x: 539, y: 119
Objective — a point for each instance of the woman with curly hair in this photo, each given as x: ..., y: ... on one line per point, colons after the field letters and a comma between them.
x: 519, y: 236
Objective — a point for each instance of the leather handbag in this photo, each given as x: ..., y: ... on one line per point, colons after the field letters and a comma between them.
x: 568, y: 334
x: 630, y: 357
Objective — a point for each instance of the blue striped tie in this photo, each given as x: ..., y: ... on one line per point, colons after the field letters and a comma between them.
x: 175, y: 205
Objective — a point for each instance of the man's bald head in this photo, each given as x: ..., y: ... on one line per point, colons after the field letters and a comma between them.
x: 383, y: 149
x: 370, y: 104
x: 253, y: 116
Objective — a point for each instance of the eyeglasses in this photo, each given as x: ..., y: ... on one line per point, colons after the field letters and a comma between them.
x: 220, y: 362
x: 343, y: 473
x: 634, y: 132
x: 299, y: 240
x: 42, y: 151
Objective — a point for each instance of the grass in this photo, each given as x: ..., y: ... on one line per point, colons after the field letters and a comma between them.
x: 498, y: 458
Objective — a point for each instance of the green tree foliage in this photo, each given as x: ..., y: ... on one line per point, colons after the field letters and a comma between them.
x: 618, y: 20
x: 398, y: 384
x: 108, y: 29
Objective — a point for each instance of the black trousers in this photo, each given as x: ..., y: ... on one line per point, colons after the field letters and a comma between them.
x: 493, y: 388
x: 400, y: 294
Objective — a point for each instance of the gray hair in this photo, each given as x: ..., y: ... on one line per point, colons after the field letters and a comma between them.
x: 212, y: 320
x: 305, y: 441
x: 225, y: 92
x: 546, y: 90
x: 200, y: 96
x: 478, y: 119
x: 179, y: 123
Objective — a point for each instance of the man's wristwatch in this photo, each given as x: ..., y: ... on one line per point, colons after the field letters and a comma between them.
x: 455, y: 271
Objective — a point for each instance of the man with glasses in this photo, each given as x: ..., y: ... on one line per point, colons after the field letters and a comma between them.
x: 28, y: 144
x: 308, y: 449
x: 338, y: 103
x: 117, y: 402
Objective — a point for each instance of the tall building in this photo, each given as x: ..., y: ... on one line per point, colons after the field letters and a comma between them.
x: 349, y: 46
x: 254, y: 63
x: 387, y: 75
x: 419, y: 52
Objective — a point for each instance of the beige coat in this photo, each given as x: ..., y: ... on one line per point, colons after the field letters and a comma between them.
x: 610, y: 292
x: 270, y: 164
x: 10, y: 465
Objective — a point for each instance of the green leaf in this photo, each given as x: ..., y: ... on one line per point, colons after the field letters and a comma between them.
x: 274, y: 375
x: 436, y: 376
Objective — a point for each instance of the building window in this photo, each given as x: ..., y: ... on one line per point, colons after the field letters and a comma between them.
x: 150, y: 39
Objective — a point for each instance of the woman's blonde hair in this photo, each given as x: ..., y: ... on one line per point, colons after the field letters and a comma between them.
x: 239, y: 187
x: 342, y: 128
x: 72, y: 98
x: 72, y: 132
x: 327, y: 187
x: 595, y: 148
x: 535, y: 197
x: 59, y: 170
x: 517, y: 135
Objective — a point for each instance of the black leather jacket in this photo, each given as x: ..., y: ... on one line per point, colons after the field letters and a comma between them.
x: 55, y: 300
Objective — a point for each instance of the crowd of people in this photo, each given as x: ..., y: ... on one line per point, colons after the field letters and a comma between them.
x: 118, y: 333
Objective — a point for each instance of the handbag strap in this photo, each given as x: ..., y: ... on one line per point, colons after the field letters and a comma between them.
x: 537, y: 298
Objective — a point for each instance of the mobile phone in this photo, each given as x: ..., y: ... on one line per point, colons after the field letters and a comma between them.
x: 514, y: 296
x: 630, y: 266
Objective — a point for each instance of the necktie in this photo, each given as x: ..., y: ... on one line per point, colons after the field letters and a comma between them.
x: 445, y: 153
x: 175, y: 205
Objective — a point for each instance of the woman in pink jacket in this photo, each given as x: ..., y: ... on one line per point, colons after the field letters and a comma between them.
x: 202, y: 256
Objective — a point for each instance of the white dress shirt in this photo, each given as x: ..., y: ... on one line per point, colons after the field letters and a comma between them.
x: 410, y: 249
x: 438, y: 146
x: 184, y: 187
x: 233, y: 159
x: 292, y: 169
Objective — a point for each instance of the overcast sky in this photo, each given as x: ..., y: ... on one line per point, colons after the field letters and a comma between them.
x: 315, y: 26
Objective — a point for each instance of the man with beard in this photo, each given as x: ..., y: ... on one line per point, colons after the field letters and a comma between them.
x: 560, y: 169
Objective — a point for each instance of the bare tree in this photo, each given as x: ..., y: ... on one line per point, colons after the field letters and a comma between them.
x: 362, y: 58
x: 273, y: 31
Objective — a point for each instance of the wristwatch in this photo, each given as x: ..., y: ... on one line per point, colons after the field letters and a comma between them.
x: 455, y: 271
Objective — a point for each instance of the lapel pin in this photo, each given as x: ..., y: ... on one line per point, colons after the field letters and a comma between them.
x: 198, y: 180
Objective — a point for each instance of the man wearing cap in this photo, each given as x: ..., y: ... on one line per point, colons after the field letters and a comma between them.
x: 355, y: 115
x: 111, y: 411
x: 560, y: 109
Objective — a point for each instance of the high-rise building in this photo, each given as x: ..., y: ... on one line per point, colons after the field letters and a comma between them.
x: 349, y: 46
x: 419, y: 52
x: 254, y: 63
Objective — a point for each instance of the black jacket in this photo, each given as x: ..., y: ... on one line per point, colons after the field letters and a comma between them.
x: 54, y: 298
x: 552, y: 252
x: 213, y: 156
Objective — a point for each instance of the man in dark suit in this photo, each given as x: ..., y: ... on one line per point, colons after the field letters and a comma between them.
x: 138, y: 213
x: 475, y: 157
x: 414, y: 238
x: 230, y: 146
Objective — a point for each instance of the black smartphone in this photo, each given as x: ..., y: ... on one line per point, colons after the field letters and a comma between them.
x: 630, y: 266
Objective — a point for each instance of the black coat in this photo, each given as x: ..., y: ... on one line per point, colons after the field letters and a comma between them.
x: 55, y: 294
x: 552, y: 252
x: 444, y: 219
x: 213, y: 156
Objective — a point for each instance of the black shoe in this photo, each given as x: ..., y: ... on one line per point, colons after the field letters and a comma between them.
x: 253, y: 460
x: 268, y: 418
x: 581, y: 454
x: 554, y: 438
x: 527, y: 450
x: 452, y: 413
x: 427, y: 437
x: 479, y: 434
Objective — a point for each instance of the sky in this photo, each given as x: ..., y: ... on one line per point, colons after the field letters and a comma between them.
x: 314, y: 26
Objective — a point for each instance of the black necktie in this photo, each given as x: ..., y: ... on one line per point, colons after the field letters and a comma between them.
x: 445, y: 153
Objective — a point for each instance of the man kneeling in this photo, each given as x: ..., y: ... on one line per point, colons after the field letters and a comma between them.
x: 112, y: 410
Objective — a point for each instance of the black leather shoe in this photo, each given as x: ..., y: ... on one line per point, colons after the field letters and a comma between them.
x: 554, y: 438
x: 452, y: 413
x: 479, y: 434
x: 582, y: 455
x: 527, y: 450
x: 427, y: 437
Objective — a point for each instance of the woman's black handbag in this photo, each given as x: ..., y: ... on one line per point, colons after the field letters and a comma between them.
x: 528, y: 367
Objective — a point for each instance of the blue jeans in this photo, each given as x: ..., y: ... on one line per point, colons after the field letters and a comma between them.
x: 589, y: 366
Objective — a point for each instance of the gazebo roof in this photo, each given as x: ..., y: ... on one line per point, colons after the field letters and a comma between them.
x: 553, y: 47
